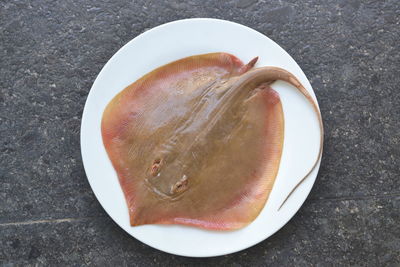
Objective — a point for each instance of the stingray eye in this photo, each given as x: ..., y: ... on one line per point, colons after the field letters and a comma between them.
x: 180, y: 186
x: 155, y: 167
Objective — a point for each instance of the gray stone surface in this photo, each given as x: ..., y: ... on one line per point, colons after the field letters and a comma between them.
x: 50, y: 54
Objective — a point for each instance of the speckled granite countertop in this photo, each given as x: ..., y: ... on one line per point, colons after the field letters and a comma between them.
x: 50, y: 54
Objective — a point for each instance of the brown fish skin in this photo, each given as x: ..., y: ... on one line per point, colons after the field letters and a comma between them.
x: 197, y: 141
x: 271, y: 74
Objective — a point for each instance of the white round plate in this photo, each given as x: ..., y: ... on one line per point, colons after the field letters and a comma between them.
x: 173, y: 41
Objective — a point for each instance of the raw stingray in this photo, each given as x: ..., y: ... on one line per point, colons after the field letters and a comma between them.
x: 198, y: 141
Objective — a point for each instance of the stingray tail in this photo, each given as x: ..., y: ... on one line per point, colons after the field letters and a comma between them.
x: 270, y: 74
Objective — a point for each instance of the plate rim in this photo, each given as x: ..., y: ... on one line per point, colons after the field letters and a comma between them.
x: 84, y: 118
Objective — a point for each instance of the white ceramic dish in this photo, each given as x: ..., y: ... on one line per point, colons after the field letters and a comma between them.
x: 173, y: 41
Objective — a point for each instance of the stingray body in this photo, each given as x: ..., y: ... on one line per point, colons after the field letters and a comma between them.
x: 198, y: 141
